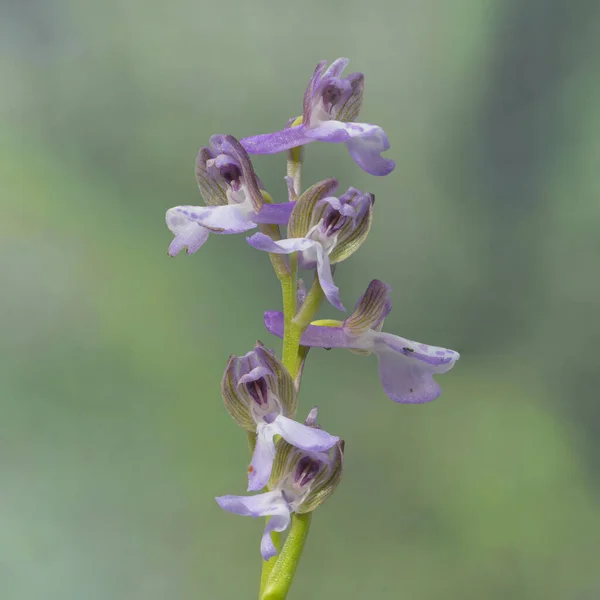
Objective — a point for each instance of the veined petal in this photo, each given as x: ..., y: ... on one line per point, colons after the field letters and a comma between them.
x: 261, y: 465
x: 260, y: 241
x: 188, y: 234
x: 227, y: 144
x: 373, y: 306
x: 406, y: 368
x: 219, y: 219
x: 365, y: 143
x: 331, y: 291
x: 304, y: 437
x: 304, y: 216
x: 274, y: 214
x: 212, y: 188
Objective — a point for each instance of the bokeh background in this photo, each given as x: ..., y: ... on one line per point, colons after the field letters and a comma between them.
x: 113, y: 436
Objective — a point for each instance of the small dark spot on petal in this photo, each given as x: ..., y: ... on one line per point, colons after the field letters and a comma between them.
x: 411, y: 390
x: 408, y: 349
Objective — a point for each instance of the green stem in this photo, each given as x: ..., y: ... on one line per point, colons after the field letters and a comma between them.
x: 282, y: 574
x: 278, y: 572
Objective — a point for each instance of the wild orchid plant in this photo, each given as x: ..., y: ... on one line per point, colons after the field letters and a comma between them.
x: 298, y: 465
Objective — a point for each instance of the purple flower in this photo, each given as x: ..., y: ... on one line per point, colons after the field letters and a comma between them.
x: 261, y: 397
x: 232, y: 192
x: 300, y: 482
x: 330, y: 103
x: 324, y: 230
x: 406, y: 368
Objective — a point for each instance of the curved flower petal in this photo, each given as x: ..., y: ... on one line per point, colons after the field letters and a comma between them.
x: 219, y: 219
x: 261, y: 505
x: 364, y: 142
x: 279, y: 521
x: 406, y: 368
x: 261, y: 465
x: 188, y: 234
x: 331, y: 291
x: 304, y: 437
x: 260, y: 241
x: 274, y: 214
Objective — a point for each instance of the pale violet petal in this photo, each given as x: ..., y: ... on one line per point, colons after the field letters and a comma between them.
x: 188, y: 234
x: 272, y: 143
x: 261, y: 505
x: 230, y: 218
x: 304, y: 437
x: 261, y: 465
x: 260, y: 241
x: 406, y: 371
x: 365, y: 143
x: 274, y: 214
x: 331, y: 291
x: 279, y: 521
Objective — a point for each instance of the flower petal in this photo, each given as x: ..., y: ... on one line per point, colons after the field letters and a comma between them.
x: 271, y: 143
x: 406, y: 368
x: 219, y: 219
x: 227, y: 144
x: 305, y: 215
x: 212, y: 187
x: 331, y: 291
x: 365, y: 143
x: 261, y: 505
x: 279, y: 521
x: 260, y: 241
x: 372, y: 307
x: 274, y: 214
x: 260, y: 467
x: 304, y: 437
x: 188, y: 234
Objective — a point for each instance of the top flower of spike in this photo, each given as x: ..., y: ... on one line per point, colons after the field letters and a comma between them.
x: 331, y: 102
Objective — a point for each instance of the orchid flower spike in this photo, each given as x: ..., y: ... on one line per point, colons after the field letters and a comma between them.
x: 406, y: 368
x: 261, y: 397
x: 300, y: 482
x: 331, y: 102
x: 233, y: 197
x: 324, y: 230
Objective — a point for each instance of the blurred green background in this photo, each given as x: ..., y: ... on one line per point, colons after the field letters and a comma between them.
x: 113, y: 436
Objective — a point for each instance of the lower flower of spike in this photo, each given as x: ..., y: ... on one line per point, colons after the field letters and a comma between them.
x: 406, y: 368
x: 300, y: 482
x: 261, y: 397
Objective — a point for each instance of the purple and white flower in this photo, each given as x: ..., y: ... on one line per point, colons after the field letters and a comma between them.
x: 331, y: 102
x: 406, y: 368
x: 233, y: 197
x: 324, y: 230
x: 300, y: 482
x: 261, y: 397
